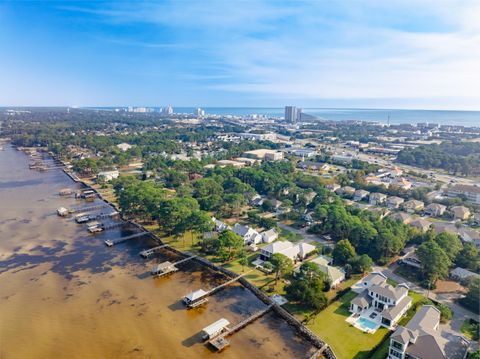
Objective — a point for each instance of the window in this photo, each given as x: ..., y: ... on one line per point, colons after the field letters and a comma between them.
x: 395, y: 354
x: 397, y: 345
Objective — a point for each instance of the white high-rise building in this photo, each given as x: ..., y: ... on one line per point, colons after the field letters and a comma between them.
x: 290, y: 114
x: 199, y: 112
x: 168, y: 110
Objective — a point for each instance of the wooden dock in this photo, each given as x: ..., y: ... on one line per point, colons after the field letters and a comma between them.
x: 319, y: 352
x: 113, y: 225
x: 148, y: 252
x: 220, y: 342
x: 167, y: 267
x: 112, y: 242
x: 89, y: 208
x: 203, y: 298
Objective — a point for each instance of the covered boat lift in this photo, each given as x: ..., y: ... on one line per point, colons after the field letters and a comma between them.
x: 215, y: 329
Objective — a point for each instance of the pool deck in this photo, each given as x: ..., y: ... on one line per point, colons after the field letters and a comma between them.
x: 354, y: 320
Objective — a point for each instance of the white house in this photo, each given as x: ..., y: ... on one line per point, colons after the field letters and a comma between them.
x: 269, y: 236
x: 248, y: 234
x: 124, y: 146
x: 287, y: 248
x: 219, y: 225
x: 369, y: 280
x: 388, y: 302
x: 108, y: 175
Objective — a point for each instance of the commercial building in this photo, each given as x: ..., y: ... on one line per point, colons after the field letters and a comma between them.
x: 472, y: 193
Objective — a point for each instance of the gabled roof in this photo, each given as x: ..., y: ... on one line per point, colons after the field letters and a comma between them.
x: 362, y: 300
x: 392, y: 312
x: 271, y: 233
x: 240, y: 229
x: 389, y: 291
x: 277, y: 247
x: 375, y: 278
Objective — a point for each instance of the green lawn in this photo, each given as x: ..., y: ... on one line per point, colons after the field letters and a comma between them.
x: 255, y: 276
x: 468, y: 329
x: 346, y: 341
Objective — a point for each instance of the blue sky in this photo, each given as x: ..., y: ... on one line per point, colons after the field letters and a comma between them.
x: 376, y: 54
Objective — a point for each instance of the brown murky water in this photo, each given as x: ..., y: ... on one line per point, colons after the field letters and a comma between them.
x: 64, y: 294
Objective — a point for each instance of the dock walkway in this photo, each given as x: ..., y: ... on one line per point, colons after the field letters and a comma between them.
x: 112, y: 242
x: 148, y: 252
x: 220, y: 342
x: 168, y: 267
x: 89, y: 208
x: 200, y: 299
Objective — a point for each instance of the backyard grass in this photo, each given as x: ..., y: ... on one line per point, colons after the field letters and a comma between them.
x: 254, y: 276
x: 470, y: 329
x: 346, y: 341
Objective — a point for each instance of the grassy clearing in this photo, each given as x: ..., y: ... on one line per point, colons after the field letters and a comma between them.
x: 347, y: 341
x: 470, y: 329
x: 255, y: 276
x: 290, y: 236
x: 411, y: 274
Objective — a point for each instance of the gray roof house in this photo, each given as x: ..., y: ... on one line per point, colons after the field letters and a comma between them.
x: 421, y: 339
x: 403, y: 217
x: 413, y: 205
x: 389, y: 302
x: 248, y: 234
x: 435, y: 209
x: 394, y: 202
x: 219, y: 225
x: 360, y: 194
x: 376, y: 199
x: 422, y: 224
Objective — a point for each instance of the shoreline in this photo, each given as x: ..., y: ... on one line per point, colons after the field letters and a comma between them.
x: 323, y: 349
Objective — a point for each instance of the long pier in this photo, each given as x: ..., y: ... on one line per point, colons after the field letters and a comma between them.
x: 89, y: 208
x: 319, y: 352
x: 112, y: 225
x: 168, y: 267
x: 112, y: 242
x: 148, y: 252
x: 220, y: 342
x: 198, y: 297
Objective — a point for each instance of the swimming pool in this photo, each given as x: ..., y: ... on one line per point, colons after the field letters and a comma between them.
x: 366, y: 325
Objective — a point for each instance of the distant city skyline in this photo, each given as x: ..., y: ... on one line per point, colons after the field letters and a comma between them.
x: 313, y: 54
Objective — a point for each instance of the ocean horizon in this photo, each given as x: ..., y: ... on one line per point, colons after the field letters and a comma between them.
x: 392, y: 116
